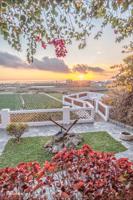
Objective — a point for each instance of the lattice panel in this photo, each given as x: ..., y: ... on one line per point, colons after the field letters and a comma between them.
x: 82, y: 114
x: 73, y: 115
x: 36, y: 117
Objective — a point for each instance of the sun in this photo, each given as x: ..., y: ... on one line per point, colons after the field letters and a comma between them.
x: 81, y: 77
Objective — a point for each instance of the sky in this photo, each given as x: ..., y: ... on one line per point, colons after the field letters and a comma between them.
x: 97, y: 56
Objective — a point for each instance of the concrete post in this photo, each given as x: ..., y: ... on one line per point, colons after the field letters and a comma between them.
x: 107, y: 113
x: 5, y: 118
x: 96, y: 107
x: 77, y: 96
x: 84, y: 104
x: 63, y: 100
x: 93, y: 114
x: 66, y: 115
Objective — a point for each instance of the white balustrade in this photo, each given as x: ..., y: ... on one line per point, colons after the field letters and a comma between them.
x: 93, y: 97
x: 74, y: 103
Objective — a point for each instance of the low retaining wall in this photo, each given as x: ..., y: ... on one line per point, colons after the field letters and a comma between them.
x: 122, y: 125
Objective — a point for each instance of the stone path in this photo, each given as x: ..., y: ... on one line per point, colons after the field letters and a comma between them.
x: 112, y: 129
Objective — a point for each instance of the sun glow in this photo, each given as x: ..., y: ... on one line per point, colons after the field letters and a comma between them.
x: 81, y: 77
x: 26, y: 74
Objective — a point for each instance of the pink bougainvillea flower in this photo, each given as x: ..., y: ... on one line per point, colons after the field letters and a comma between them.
x: 44, y: 46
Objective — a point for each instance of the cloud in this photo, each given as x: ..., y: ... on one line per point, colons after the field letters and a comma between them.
x: 81, y: 68
x: 46, y: 64
x: 51, y: 64
x: 12, y: 61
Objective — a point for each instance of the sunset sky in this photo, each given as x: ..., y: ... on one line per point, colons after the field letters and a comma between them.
x: 99, y: 54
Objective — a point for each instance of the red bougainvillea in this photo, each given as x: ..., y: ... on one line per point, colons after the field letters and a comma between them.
x: 59, y: 45
x: 81, y: 174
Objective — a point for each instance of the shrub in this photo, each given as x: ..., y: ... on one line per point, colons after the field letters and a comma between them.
x: 71, y: 175
x: 122, y: 102
x: 16, y: 130
x: 123, y: 108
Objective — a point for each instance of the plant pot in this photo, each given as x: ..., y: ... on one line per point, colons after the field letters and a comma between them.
x: 126, y: 136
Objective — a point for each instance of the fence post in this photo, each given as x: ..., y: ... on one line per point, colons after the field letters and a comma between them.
x: 96, y: 105
x: 92, y: 113
x: 85, y: 103
x: 63, y: 99
x: 5, y: 118
x: 66, y: 115
x: 107, y: 113
x: 77, y: 96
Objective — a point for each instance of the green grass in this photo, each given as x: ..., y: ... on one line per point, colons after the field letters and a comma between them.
x: 102, y: 141
x: 56, y: 95
x: 11, y: 101
x: 40, y: 101
x: 32, y: 101
x: 31, y: 148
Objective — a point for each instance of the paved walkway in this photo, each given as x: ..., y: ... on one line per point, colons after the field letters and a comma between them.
x: 112, y: 129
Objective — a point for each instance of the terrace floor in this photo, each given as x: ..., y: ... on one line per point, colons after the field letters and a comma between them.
x: 112, y: 129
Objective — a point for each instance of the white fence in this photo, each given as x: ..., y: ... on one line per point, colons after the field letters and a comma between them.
x: 82, y: 106
x: 40, y: 117
x: 102, y: 110
x: 88, y: 99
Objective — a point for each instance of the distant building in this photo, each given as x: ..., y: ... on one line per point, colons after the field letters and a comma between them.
x: 41, y: 86
x: 69, y: 81
x: 78, y: 83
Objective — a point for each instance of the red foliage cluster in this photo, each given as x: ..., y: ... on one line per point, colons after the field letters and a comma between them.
x: 70, y: 175
x: 59, y: 44
x: 60, y: 48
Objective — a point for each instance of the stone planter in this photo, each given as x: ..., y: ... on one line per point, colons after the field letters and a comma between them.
x: 126, y: 136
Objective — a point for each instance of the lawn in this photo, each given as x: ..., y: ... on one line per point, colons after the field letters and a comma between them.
x: 31, y: 148
x: 39, y: 101
x: 11, y: 101
x: 31, y: 101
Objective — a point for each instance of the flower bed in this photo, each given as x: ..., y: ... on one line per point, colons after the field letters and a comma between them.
x: 74, y: 174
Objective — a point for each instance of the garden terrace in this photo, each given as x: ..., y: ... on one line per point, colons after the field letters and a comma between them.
x: 31, y: 148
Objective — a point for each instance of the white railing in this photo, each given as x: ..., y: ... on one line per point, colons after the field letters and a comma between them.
x: 81, y: 105
x: 102, y: 110
x: 94, y: 95
x: 77, y: 103
x: 88, y: 99
x: 41, y: 117
x: 77, y: 100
